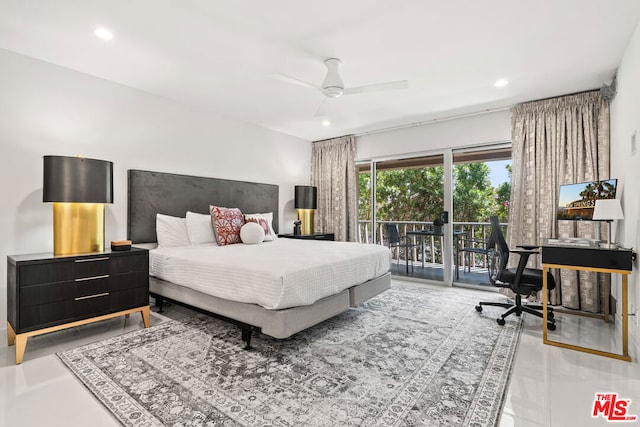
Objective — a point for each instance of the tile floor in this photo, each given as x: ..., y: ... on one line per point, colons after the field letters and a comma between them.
x: 549, y: 386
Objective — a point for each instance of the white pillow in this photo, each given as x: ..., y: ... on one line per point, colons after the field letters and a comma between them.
x: 171, y: 231
x: 200, y: 229
x: 268, y: 217
x: 251, y: 233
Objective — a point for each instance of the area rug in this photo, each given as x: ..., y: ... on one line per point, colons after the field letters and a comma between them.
x: 412, y: 356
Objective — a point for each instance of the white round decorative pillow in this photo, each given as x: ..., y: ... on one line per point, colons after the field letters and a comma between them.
x: 252, y: 233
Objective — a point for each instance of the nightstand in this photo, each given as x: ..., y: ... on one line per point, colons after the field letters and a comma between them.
x: 47, y: 292
x: 314, y: 236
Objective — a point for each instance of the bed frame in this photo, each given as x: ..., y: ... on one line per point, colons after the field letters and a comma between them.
x: 156, y: 192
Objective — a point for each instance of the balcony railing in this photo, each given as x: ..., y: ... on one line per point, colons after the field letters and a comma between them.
x: 474, y: 235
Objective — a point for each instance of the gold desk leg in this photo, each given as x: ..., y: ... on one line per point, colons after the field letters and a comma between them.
x: 625, y: 316
x: 11, y: 335
x: 145, y: 316
x: 607, y: 296
x: 544, y: 304
x: 21, y: 345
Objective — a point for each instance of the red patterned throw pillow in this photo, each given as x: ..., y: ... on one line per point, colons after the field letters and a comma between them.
x: 227, y: 223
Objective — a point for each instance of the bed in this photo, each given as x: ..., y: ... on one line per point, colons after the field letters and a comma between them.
x: 341, y: 274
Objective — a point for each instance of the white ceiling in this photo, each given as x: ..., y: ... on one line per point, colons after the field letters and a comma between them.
x: 221, y: 55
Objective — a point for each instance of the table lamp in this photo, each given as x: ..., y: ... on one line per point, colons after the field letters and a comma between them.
x: 78, y: 188
x: 608, y: 210
x: 306, y: 202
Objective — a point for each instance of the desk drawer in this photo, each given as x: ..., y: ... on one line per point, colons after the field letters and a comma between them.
x: 614, y: 259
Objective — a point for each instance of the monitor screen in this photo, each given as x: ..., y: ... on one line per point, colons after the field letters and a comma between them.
x: 576, y: 201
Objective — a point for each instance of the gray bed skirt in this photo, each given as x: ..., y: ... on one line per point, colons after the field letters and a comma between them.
x: 275, y: 323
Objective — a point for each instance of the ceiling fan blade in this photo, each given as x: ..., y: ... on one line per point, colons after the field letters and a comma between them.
x: 399, y: 85
x: 287, y: 79
x: 322, y: 109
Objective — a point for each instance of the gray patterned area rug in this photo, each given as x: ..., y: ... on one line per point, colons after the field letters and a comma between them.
x: 412, y: 356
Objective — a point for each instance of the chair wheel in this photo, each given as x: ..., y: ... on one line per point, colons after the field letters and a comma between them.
x: 478, y: 308
x: 500, y: 321
x: 551, y: 326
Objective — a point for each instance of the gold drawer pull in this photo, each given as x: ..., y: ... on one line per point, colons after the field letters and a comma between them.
x: 92, y: 259
x: 84, y: 279
x: 104, y: 294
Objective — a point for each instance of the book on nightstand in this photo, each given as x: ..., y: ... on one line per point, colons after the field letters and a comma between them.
x: 120, y: 245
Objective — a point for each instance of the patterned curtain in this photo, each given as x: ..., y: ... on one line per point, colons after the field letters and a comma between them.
x: 558, y: 141
x: 333, y: 171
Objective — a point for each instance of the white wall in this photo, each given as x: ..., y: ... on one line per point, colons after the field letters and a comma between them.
x: 625, y: 120
x: 463, y: 132
x: 46, y: 109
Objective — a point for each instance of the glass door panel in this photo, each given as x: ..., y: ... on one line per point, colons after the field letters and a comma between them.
x: 365, y: 204
x: 409, y: 200
x: 481, y: 188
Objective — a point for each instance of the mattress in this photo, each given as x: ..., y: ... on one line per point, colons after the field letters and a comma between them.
x: 275, y: 275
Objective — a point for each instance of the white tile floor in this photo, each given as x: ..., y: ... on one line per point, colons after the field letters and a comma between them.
x: 549, y: 386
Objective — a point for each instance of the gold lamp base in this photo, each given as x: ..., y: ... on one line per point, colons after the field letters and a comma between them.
x: 305, y: 216
x: 78, y: 228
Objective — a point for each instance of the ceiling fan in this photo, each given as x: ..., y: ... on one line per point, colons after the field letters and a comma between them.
x: 333, y: 86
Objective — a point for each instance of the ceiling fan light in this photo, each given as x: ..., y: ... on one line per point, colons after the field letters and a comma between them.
x: 103, y: 33
x: 332, y: 91
x: 333, y: 86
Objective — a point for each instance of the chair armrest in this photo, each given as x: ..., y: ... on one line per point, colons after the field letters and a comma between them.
x: 522, y: 263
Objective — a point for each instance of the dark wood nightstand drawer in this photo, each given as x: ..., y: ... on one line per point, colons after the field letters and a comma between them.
x: 91, y: 305
x: 129, y: 280
x: 61, y: 291
x: 60, y: 271
x: 129, y: 263
x: 114, y: 301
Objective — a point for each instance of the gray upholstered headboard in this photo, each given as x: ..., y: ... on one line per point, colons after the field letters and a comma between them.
x: 170, y: 194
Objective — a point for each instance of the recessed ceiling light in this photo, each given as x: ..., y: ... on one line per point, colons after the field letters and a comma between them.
x: 103, y: 33
x: 501, y: 83
x: 326, y: 123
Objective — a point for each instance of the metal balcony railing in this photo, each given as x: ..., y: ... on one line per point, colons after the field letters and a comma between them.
x: 475, y: 234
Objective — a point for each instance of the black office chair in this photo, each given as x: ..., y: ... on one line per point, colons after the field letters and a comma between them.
x: 521, y: 280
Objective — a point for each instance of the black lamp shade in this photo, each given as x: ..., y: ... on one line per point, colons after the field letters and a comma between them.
x: 306, y: 197
x: 77, y: 180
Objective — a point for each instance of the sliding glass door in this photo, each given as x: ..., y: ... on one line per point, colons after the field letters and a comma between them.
x: 401, y: 206
x: 403, y: 202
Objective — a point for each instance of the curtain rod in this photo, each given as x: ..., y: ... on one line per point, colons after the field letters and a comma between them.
x: 462, y: 116
x: 559, y: 96
x: 441, y: 119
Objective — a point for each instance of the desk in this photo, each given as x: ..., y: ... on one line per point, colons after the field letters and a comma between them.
x: 614, y: 261
x: 429, y: 233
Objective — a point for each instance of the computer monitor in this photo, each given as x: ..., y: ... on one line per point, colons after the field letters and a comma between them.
x: 576, y: 201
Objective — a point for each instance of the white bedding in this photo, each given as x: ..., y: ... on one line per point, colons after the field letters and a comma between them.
x: 280, y: 274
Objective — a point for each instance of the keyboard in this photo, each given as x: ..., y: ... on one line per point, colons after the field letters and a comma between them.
x: 582, y: 243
